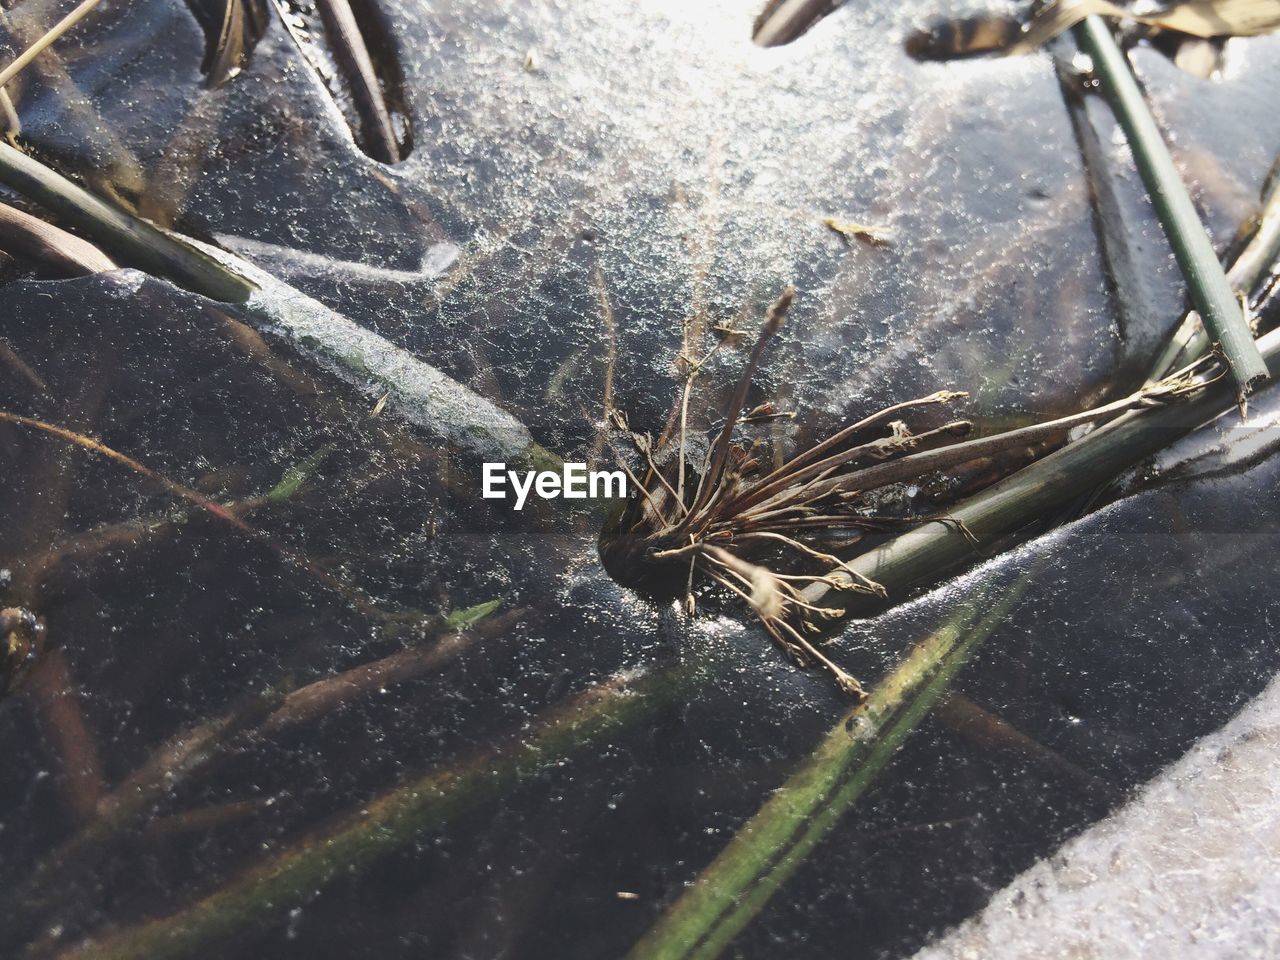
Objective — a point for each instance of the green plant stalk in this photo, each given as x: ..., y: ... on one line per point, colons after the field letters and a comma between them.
x: 131, y: 240
x: 417, y: 392
x: 1254, y: 263
x: 1206, y: 282
x: 781, y: 836
x: 929, y: 551
x: 257, y: 898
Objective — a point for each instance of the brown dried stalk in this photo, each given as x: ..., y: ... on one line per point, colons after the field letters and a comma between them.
x: 352, y: 53
x: 24, y: 235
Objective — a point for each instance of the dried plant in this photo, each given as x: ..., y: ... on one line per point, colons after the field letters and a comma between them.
x: 716, y: 521
x: 731, y: 522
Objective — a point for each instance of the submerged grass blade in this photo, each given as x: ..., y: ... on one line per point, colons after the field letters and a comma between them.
x: 769, y: 848
x: 1206, y: 282
x: 262, y: 895
x: 193, y: 750
x: 469, y: 616
x: 416, y: 391
x: 298, y: 474
x: 229, y: 517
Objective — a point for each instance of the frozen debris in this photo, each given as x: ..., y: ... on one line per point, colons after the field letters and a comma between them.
x: 859, y: 231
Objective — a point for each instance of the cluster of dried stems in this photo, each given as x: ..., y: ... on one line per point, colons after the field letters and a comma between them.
x: 726, y: 521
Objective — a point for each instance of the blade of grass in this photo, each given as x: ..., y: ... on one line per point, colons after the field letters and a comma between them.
x: 21, y: 369
x: 101, y: 449
x: 781, y: 836
x: 1206, y: 282
x: 416, y: 391
x: 298, y: 474
x: 63, y: 721
x: 257, y: 898
x: 468, y: 616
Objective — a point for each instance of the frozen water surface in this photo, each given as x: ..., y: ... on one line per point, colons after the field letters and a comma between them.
x: 646, y: 171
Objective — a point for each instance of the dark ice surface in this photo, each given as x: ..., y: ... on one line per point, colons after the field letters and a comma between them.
x: 587, y: 181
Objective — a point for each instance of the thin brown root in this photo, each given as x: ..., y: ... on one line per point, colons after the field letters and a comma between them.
x: 94, y: 446
x: 844, y: 680
x: 349, y: 592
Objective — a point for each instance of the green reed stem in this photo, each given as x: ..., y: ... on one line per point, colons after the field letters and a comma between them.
x: 416, y: 391
x: 1255, y: 262
x: 133, y: 241
x: 1206, y: 282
